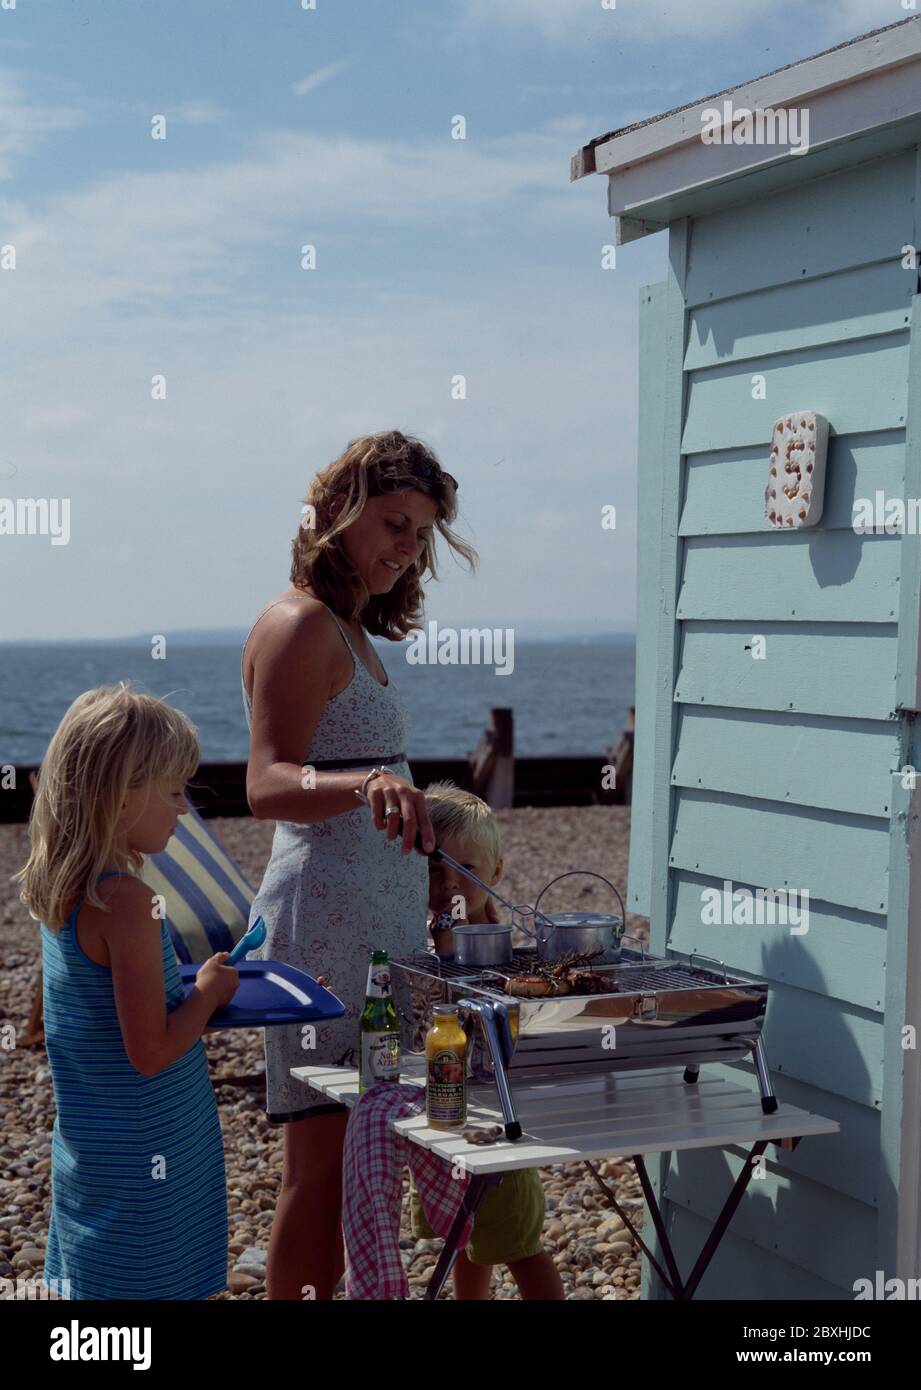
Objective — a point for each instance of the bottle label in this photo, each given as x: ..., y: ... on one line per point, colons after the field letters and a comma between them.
x: 380, y: 1057
x: 446, y: 1088
x: 378, y: 982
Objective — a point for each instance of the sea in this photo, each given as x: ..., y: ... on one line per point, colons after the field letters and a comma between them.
x: 568, y: 697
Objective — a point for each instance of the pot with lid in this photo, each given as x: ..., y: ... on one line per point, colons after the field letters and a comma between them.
x: 595, y: 934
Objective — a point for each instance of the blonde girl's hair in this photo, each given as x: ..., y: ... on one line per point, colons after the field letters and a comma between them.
x: 372, y: 466
x: 464, y: 816
x: 112, y: 739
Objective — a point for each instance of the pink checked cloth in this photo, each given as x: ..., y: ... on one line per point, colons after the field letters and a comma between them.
x: 372, y: 1188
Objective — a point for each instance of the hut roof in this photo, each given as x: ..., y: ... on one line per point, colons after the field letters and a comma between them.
x: 851, y: 102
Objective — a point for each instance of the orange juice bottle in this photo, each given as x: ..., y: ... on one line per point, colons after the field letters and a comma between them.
x: 446, y: 1070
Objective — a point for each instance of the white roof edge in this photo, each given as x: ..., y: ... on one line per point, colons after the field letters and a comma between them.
x: 853, y: 61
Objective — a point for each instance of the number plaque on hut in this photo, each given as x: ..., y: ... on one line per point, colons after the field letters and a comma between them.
x: 795, y: 488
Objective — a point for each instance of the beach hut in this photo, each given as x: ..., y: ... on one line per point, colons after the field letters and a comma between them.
x: 778, y: 664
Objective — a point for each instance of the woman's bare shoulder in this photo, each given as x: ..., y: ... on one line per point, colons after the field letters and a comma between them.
x: 292, y: 617
x: 297, y: 630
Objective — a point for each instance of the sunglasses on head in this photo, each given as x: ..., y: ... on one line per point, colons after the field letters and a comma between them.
x: 421, y: 468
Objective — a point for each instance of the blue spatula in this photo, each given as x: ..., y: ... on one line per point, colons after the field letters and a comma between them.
x: 250, y: 942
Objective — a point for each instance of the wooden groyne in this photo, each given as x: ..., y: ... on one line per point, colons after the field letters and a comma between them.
x: 491, y: 770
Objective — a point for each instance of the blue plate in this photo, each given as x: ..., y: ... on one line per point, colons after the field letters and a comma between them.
x: 270, y: 993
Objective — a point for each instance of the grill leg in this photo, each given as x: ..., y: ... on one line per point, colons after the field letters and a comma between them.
x: 691, y: 1074
x: 474, y: 1195
x: 768, y: 1099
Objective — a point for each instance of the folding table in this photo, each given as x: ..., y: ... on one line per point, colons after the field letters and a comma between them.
x: 572, y: 1117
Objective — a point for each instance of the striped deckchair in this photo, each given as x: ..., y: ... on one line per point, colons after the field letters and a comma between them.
x: 207, y: 903
x: 206, y: 898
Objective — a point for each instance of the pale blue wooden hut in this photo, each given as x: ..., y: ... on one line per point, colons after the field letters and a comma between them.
x: 776, y: 764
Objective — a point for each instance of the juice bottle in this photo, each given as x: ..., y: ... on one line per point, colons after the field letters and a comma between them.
x: 446, y: 1070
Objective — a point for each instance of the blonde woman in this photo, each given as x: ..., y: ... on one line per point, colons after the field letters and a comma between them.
x: 139, y: 1203
x: 326, y: 722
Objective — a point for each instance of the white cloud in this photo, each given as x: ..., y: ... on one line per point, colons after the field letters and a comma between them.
x: 26, y: 123
x: 202, y: 111
x: 316, y: 79
x: 858, y: 16
x: 575, y: 23
x: 182, y: 510
x: 146, y: 237
x: 647, y: 21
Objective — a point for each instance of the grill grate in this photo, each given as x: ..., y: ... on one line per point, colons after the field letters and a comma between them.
x: 640, y: 973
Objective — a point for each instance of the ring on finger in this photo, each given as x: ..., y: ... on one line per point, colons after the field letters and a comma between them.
x: 392, y: 811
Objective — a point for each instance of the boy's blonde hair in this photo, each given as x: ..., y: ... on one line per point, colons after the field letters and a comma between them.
x: 455, y: 812
x: 112, y: 739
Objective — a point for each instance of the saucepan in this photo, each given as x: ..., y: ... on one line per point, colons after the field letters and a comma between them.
x: 595, y: 934
x: 481, y: 945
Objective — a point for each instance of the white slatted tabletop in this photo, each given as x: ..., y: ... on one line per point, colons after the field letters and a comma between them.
x: 570, y: 1118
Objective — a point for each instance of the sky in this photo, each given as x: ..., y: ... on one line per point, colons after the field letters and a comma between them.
x: 435, y: 257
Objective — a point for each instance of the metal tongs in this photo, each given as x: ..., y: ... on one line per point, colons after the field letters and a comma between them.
x: 438, y: 856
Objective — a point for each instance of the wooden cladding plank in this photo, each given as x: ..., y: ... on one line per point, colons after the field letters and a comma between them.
x: 835, y: 576
x: 807, y: 760
x: 802, y: 232
x: 649, y: 636
x: 909, y: 675
x: 857, y: 303
x: 835, y: 669
x: 725, y: 489
x: 658, y: 607
x: 740, y: 1270
x: 838, y: 858
x: 841, y: 954
x: 857, y: 386
x: 847, y: 1161
x: 831, y: 1236
x: 664, y: 590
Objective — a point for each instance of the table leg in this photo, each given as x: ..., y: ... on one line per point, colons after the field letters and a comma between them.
x: 650, y: 1197
x: 723, y: 1220
x: 674, y: 1285
x: 476, y: 1191
x: 677, y: 1288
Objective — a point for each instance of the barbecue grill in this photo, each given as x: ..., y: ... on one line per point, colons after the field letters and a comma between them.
x: 645, y: 1011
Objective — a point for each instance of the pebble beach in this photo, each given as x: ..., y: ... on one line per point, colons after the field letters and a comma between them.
x: 590, y: 1245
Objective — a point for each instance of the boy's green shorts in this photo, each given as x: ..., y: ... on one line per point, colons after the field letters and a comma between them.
x: 508, y: 1226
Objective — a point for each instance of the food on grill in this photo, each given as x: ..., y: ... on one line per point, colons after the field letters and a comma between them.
x: 590, y: 982
x: 536, y: 986
x: 568, y: 975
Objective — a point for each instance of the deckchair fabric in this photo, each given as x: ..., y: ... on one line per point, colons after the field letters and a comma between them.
x: 206, y: 898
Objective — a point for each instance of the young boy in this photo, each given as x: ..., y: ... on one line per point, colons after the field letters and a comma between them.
x: 509, y: 1223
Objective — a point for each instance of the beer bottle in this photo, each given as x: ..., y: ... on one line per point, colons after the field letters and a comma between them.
x: 378, y: 1028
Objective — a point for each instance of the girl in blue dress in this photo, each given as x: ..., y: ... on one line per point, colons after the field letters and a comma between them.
x: 138, y: 1191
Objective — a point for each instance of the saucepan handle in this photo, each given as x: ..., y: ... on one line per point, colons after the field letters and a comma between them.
x: 586, y: 873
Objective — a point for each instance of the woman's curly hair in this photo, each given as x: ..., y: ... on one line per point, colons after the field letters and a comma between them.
x: 371, y: 466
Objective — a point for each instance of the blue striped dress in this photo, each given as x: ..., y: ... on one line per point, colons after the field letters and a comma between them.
x: 138, y: 1189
